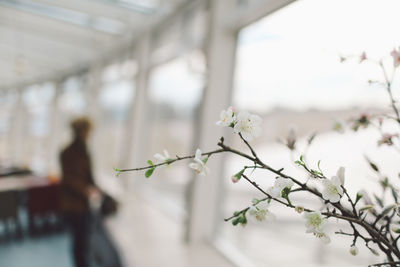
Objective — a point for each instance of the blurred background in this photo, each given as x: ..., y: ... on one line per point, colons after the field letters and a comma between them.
x: 154, y: 75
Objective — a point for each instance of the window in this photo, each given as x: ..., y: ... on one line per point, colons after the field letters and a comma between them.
x: 36, y: 107
x: 175, y: 94
x: 116, y: 96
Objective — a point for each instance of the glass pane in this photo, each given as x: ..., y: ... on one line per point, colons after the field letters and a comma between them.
x: 7, y: 105
x: 72, y: 99
x: 37, y: 102
x: 115, y: 97
x: 175, y: 94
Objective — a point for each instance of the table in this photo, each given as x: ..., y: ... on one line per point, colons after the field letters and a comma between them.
x: 18, y: 183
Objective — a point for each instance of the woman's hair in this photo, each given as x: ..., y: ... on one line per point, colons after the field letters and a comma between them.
x: 81, y: 125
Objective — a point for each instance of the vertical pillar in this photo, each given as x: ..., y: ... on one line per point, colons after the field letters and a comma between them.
x: 136, y: 150
x: 92, y: 91
x: 19, y: 127
x: 53, y: 140
x: 220, y: 50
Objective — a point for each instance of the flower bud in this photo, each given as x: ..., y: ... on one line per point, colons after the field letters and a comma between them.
x: 299, y: 209
x: 353, y: 250
x: 235, y: 179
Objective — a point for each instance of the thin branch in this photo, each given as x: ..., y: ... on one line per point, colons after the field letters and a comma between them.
x: 167, y: 162
x: 249, y: 146
x: 391, y: 263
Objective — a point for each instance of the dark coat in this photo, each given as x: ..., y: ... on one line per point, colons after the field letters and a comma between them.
x: 76, y: 177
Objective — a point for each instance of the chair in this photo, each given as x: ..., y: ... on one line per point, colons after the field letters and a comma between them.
x: 9, y: 206
x: 44, y: 202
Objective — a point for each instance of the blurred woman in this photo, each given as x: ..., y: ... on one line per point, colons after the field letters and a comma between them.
x: 77, y: 188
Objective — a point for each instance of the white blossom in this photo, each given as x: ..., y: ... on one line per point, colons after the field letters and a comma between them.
x: 323, y: 237
x: 353, y: 250
x: 315, y: 224
x: 227, y: 117
x: 279, y: 185
x: 199, y: 165
x: 260, y: 212
x: 162, y: 158
x: 248, y: 125
x: 338, y: 126
x: 333, y: 190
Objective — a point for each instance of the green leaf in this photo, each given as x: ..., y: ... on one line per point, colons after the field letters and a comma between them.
x: 394, y: 194
x: 312, y: 137
x: 379, y: 201
x: 387, y: 210
x: 285, y: 192
x: 149, y: 172
x: 385, y: 183
x: 319, y: 166
x: 315, y: 172
x: 235, y: 221
x: 372, y: 165
x: 117, y: 170
x: 239, y: 175
x: 150, y: 162
x: 298, y: 162
x: 367, y: 207
x: 358, y: 197
x: 242, y: 219
x: 376, y: 253
x: 205, y: 160
x: 252, y: 171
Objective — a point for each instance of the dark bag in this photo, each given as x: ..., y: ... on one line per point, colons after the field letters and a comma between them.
x: 109, y: 205
x: 101, y: 250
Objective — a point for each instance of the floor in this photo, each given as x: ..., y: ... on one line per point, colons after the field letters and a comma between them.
x: 149, y: 237
x: 145, y: 236
x: 46, y: 251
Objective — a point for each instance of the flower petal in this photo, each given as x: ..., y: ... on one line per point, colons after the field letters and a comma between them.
x: 194, y: 166
x: 340, y: 174
x: 198, y: 154
x: 159, y: 157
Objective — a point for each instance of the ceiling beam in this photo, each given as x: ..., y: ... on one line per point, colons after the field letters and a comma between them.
x: 255, y: 11
x: 50, y: 47
x: 8, y: 74
x: 10, y: 51
x: 11, y: 16
x: 30, y: 62
x: 23, y: 82
x: 121, y: 47
x: 74, y: 17
x: 98, y: 8
x: 21, y: 26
